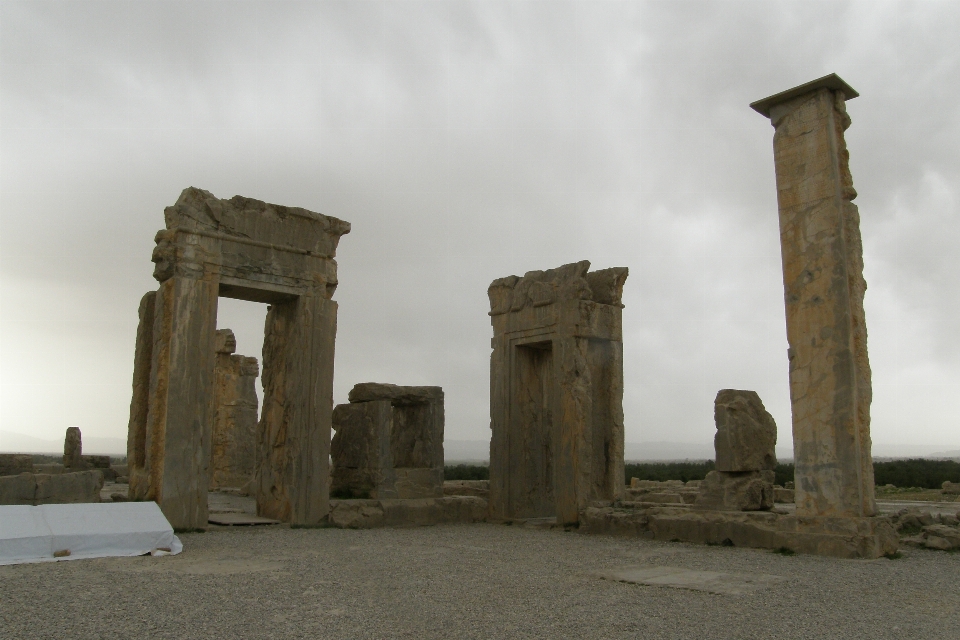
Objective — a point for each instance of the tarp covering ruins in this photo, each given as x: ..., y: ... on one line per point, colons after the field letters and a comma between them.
x: 52, y: 532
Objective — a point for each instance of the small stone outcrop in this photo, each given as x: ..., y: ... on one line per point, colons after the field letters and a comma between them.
x: 745, y: 447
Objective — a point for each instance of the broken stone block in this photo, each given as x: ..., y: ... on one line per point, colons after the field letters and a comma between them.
x: 68, y: 488
x: 746, y: 435
x: 744, y: 491
x: 951, y: 488
x: 785, y: 496
x: 72, y: 449
x: 942, y: 537
x: 13, y: 464
x: 388, y: 443
x: 233, y: 449
x: 18, y: 489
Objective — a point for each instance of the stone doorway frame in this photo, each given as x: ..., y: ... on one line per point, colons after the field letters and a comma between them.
x: 248, y: 250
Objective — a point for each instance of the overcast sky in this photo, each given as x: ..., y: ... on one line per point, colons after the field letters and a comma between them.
x: 467, y: 141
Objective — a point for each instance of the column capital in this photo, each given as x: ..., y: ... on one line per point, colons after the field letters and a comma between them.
x: 832, y: 81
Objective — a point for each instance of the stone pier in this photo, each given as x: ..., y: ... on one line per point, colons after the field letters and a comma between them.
x: 822, y: 257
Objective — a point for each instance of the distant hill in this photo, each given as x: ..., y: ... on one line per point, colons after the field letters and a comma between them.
x: 20, y: 443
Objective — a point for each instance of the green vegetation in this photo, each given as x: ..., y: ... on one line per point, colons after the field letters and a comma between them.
x: 466, y: 472
x: 661, y: 471
x: 926, y: 474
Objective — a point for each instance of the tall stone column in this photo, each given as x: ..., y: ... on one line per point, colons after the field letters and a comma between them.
x: 292, y: 478
x: 822, y: 255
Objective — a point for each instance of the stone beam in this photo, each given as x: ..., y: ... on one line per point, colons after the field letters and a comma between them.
x: 822, y: 256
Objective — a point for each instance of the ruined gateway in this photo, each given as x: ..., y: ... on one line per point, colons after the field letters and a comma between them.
x: 249, y: 250
x: 556, y: 378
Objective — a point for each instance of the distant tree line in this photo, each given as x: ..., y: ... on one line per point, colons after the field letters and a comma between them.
x: 926, y: 474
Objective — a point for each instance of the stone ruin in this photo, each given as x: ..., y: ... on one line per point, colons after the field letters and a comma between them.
x: 556, y: 392
x: 233, y: 450
x: 79, y: 479
x: 388, y: 443
x: 746, y: 459
x: 249, y: 250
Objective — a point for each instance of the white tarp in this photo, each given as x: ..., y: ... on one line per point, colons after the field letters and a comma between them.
x: 87, y: 530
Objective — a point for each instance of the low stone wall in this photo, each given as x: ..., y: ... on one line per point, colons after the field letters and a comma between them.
x: 371, y: 514
x: 42, y: 488
x: 13, y: 464
x: 477, y: 488
x: 837, y: 537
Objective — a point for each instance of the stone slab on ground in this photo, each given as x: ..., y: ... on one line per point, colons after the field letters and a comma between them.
x: 736, y: 584
x: 372, y: 514
x: 238, y: 519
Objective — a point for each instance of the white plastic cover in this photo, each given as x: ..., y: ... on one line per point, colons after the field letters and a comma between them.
x: 88, y: 530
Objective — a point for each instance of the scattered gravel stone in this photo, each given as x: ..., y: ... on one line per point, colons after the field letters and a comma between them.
x: 470, y: 581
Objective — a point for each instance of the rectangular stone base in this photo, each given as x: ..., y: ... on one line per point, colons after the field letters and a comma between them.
x: 371, y: 514
x: 836, y: 537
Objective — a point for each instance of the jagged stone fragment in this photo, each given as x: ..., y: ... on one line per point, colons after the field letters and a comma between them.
x: 746, y: 435
x: 744, y: 491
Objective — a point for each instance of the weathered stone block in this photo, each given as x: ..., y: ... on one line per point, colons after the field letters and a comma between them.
x: 785, y: 496
x: 68, y: 488
x: 746, y: 491
x: 233, y: 450
x: 389, y: 443
x: 746, y: 435
x: 556, y: 392
x: 18, y: 489
x: 13, y: 464
x: 951, y: 488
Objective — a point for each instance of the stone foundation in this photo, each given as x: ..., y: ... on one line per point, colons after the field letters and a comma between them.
x: 41, y: 488
x: 825, y: 536
x: 372, y: 514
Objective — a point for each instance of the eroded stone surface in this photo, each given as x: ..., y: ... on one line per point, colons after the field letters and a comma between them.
x: 746, y: 435
x: 61, y: 488
x: 556, y: 392
x: 12, y: 464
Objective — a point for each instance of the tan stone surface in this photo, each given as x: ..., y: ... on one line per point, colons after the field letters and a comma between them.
x: 370, y: 514
x: 746, y: 435
x: 556, y: 392
x: 822, y: 254
x: 250, y: 250
x: 233, y: 455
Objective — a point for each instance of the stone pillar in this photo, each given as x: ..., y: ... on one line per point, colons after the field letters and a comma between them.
x: 822, y: 257
x: 233, y: 456
x: 72, y: 449
x: 139, y: 487
x: 180, y: 413
x: 292, y: 480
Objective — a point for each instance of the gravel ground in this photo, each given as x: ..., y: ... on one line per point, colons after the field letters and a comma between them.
x: 468, y: 581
